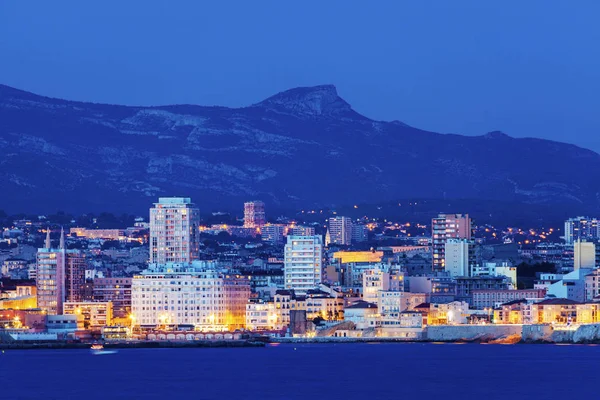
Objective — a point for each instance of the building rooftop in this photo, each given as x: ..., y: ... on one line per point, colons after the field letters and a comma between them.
x: 510, y: 303
x: 361, y: 304
x: 423, y: 306
x: 558, y: 301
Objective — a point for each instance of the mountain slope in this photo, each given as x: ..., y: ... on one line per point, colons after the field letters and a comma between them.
x: 303, y: 147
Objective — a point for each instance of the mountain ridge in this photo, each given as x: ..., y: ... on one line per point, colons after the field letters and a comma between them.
x: 302, y: 147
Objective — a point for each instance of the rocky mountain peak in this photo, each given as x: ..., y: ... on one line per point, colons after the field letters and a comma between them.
x: 308, y: 101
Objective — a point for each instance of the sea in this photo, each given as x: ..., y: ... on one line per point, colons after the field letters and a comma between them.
x: 307, y: 371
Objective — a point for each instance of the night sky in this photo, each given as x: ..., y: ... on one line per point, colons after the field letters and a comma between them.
x: 528, y: 68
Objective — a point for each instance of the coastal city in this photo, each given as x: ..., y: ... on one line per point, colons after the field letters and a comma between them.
x: 178, y: 276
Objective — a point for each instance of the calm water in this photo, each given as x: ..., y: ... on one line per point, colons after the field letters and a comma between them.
x: 348, y: 371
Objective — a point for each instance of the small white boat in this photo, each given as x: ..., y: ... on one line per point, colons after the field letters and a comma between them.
x: 98, y: 350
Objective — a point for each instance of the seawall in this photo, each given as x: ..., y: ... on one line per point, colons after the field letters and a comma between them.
x: 471, y: 333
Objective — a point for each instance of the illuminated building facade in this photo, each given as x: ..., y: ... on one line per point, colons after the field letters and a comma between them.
x: 59, y: 276
x: 344, y: 257
x: 174, y: 230
x: 316, y: 303
x: 340, y: 230
x: 254, y: 214
x: 299, y: 230
x: 272, y: 233
x: 261, y: 316
x: 303, y: 262
x: 494, y: 298
x: 444, y: 227
x: 108, y: 234
x: 584, y: 254
x: 459, y: 257
x: 208, y: 300
x: 379, y: 279
x: 95, y: 314
x: 581, y: 228
x: 115, y: 290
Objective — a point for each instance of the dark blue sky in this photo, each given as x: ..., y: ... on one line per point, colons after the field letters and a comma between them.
x: 528, y: 68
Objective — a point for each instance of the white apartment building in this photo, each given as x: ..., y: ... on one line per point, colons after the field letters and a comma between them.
x: 261, y: 316
x: 174, y: 230
x: 303, y: 257
x: 457, y: 257
x: 340, y: 230
x: 208, y: 300
x: 374, y: 281
x: 584, y: 254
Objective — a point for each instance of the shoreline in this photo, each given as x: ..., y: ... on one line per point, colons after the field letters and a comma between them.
x: 262, y: 344
x: 135, y: 345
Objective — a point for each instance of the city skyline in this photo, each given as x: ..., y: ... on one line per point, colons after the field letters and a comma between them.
x: 291, y: 200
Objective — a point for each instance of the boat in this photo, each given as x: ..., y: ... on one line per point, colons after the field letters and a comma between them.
x: 98, y: 350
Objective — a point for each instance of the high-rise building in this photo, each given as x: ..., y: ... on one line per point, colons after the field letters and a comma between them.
x: 208, y: 300
x: 360, y: 233
x: 272, y: 233
x: 581, y: 228
x: 340, y: 230
x: 254, y: 214
x: 459, y: 257
x: 174, y: 235
x: 59, y: 276
x: 302, y: 262
x: 75, y: 275
x: 444, y: 227
x: 584, y: 254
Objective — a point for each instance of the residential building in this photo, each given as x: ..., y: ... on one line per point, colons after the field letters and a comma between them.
x: 340, y: 230
x: 466, y: 286
x: 444, y: 227
x: 512, y: 312
x: 114, y: 290
x: 581, y: 228
x: 59, y: 276
x: 455, y: 312
x: 174, y: 230
x: 360, y: 233
x: 494, y: 298
x: 558, y: 310
x: 11, y: 264
x: 316, y: 303
x: 206, y: 299
x: 571, y: 286
x: 592, y: 285
x: 299, y: 230
x: 95, y: 314
x: 381, y: 279
x: 272, y: 233
x: 303, y: 257
x: 459, y: 257
x: 260, y: 316
x: 254, y: 214
x: 374, y: 281
x: 363, y: 314
x: 392, y: 303
x: 584, y: 254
